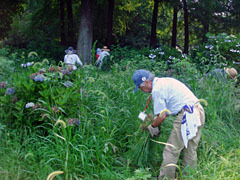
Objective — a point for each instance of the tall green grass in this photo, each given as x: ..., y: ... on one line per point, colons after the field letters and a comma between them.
x: 103, y: 145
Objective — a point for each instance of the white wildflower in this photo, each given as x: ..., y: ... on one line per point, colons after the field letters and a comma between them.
x: 29, y: 64
x: 233, y: 50
x: 152, y: 56
x: 29, y: 105
x: 227, y: 40
x: 209, y: 46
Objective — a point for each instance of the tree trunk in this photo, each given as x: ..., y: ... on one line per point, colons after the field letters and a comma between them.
x: 110, y: 23
x: 186, y: 32
x: 85, y: 36
x: 62, y: 23
x: 70, y: 23
x: 174, y: 28
x: 154, y: 24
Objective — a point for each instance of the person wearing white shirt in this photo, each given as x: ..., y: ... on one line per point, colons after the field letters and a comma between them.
x: 71, y: 58
x: 103, y: 54
x: 169, y: 93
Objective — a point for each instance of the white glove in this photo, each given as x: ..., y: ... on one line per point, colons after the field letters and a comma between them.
x: 154, y: 131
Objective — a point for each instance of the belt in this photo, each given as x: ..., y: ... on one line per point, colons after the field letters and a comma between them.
x: 182, y: 110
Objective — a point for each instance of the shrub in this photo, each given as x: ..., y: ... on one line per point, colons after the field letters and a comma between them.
x: 7, y: 68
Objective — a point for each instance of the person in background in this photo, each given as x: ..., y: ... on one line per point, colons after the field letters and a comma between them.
x: 98, y: 51
x: 103, y: 54
x: 222, y: 74
x: 71, y: 58
x: 169, y: 93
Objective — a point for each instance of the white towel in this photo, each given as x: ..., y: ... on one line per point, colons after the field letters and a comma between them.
x: 190, y: 124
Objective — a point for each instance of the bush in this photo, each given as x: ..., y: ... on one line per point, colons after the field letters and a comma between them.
x: 220, y: 51
x: 7, y: 68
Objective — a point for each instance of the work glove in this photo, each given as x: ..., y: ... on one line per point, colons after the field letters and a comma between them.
x: 154, y: 131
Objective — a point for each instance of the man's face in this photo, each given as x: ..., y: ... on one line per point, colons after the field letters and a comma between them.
x: 147, y: 88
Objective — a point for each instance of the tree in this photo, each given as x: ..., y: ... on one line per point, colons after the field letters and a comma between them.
x: 174, y: 28
x: 110, y: 22
x: 203, y: 11
x: 233, y: 18
x: 186, y: 30
x: 62, y: 23
x: 70, y: 22
x: 8, y: 9
x: 85, y: 36
x: 153, y: 37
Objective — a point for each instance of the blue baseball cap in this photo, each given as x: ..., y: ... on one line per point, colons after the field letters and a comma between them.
x: 139, y: 77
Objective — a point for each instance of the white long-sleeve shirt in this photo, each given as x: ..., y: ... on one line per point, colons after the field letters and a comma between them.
x: 102, y: 55
x: 72, y: 59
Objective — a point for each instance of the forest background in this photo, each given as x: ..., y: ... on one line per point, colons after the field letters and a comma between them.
x: 84, y: 125
x: 49, y: 25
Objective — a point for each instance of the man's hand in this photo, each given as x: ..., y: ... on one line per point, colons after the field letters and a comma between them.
x: 146, y: 122
x: 154, y: 131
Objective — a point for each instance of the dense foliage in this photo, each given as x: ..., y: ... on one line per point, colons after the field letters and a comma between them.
x: 50, y: 26
x: 84, y: 122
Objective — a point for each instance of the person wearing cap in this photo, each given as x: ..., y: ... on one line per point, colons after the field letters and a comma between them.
x: 169, y: 93
x: 222, y: 74
x: 71, y: 58
x: 103, y: 54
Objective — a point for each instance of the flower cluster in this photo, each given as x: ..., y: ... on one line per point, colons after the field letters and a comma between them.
x: 27, y: 64
x: 209, y: 47
x: 234, y: 50
x: 39, y: 78
x: 154, y: 53
x: 10, y: 91
x: 152, y: 56
x: 29, y: 105
x: 32, y: 76
x: 227, y: 40
x: 54, y: 69
x: 32, y: 105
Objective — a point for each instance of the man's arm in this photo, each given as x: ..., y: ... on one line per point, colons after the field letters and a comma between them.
x: 158, y: 120
x: 65, y: 59
x: 78, y: 60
